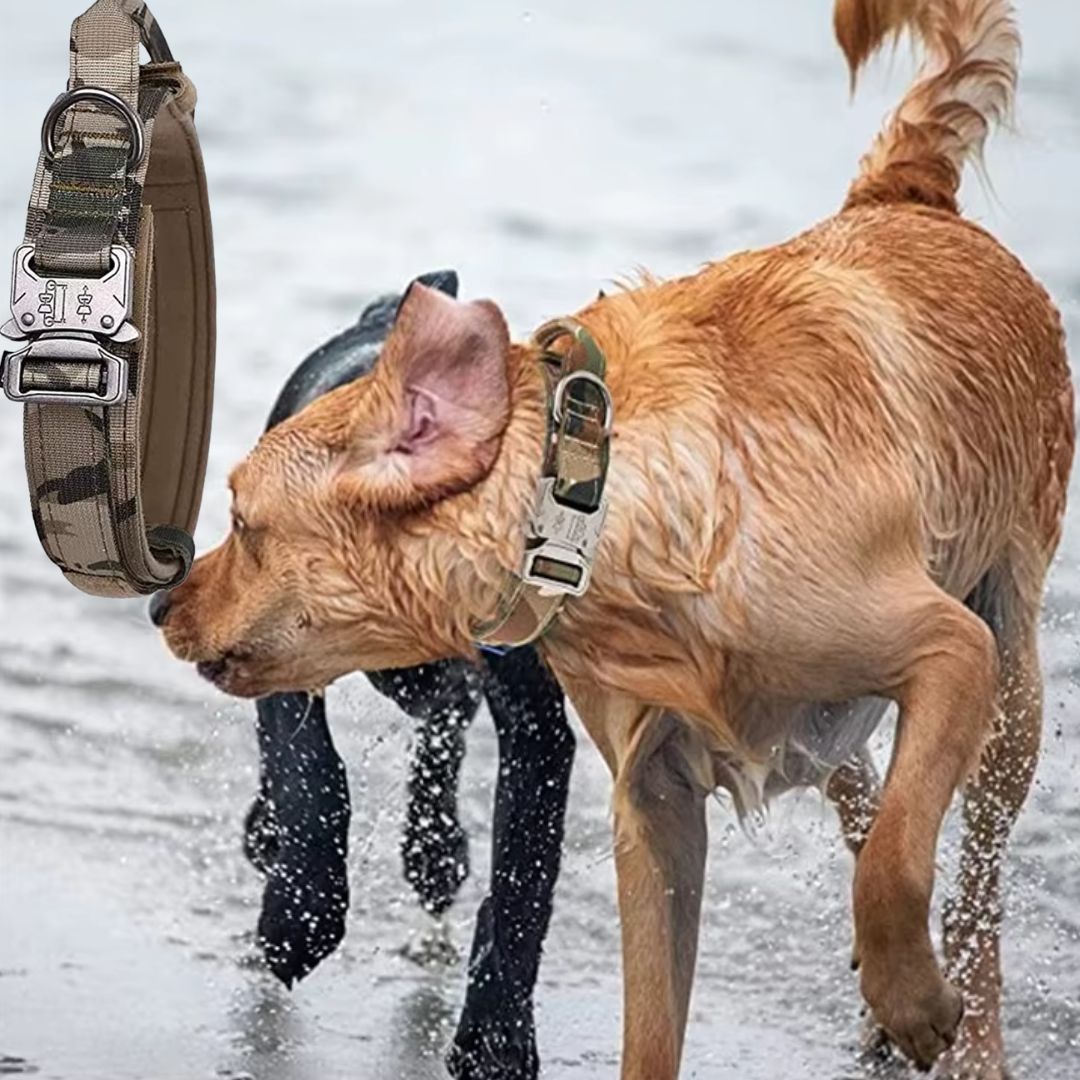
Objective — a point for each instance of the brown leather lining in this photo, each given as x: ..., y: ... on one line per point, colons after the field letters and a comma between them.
x: 180, y: 329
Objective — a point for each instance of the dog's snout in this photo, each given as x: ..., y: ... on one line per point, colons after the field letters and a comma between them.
x: 212, y: 669
x: 159, y: 608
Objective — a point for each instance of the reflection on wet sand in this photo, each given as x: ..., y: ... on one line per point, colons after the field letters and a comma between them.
x: 421, y: 1026
x: 266, y: 1027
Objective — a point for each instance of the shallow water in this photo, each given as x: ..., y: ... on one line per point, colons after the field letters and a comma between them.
x: 351, y: 145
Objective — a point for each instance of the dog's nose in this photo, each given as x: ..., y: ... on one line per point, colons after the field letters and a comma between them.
x: 212, y: 669
x: 159, y: 608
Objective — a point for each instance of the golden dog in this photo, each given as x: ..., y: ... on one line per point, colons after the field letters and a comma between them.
x: 838, y: 478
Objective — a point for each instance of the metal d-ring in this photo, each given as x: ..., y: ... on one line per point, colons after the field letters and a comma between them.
x: 563, y: 386
x: 99, y: 97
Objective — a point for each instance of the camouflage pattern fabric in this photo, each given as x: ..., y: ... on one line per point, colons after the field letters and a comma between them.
x: 84, y: 463
x: 152, y: 37
x: 578, y: 455
x: 577, y: 458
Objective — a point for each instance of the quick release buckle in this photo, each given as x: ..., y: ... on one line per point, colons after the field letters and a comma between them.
x: 112, y: 382
x: 66, y: 320
x: 561, y: 543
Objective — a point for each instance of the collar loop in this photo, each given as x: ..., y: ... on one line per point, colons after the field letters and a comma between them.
x: 564, y: 529
x: 110, y: 345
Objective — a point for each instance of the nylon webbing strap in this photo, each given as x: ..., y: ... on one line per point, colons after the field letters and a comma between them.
x: 116, y: 284
x: 570, y: 504
x: 578, y: 454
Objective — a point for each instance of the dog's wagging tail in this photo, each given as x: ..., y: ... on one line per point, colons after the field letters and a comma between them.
x: 838, y: 479
x: 966, y: 84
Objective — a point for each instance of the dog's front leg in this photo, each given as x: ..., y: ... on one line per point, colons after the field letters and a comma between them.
x: 443, y: 697
x: 943, y: 668
x: 495, y: 1039
x: 301, y: 821
x: 661, y: 785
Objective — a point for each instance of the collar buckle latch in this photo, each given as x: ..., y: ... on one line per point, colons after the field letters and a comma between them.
x: 561, y: 543
x: 61, y: 321
x: 106, y: 385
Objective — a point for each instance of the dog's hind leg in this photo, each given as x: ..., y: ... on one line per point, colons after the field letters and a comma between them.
x: 1010, y: 605
x: 939, y: 662
x: 495, y: 1038
x: 855, y: 790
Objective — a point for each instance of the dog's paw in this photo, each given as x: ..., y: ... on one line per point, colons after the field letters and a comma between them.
x: 920, y: 1013
x: 431, y: 947
x: 302, y: 920
x: 495, y: 1049
x: 262, y: 835
x: 436, y: 861
x: 875, y: 1046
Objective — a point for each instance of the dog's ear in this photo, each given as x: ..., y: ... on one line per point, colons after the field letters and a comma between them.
x: 444, y: 406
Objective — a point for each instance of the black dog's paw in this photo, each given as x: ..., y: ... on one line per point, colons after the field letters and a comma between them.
x: 436, y: 858
x: 431, y: 948
x: 494, y: 1049
x: 302, y: 920
x: 262, y: 835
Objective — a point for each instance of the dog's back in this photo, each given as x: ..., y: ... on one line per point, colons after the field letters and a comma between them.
x: 982, y: 315
x: 962, y: 350
x: 892, y: 376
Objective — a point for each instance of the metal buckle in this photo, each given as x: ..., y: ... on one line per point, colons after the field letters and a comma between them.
x: 43, y: 302
x: 561, y: 543
x: 60, y: 319
x: 67, y: 349
x: 101, y: 98
x: 563, y: 387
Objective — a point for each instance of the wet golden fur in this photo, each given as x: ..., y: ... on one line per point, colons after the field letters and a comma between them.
x: 820, y: 450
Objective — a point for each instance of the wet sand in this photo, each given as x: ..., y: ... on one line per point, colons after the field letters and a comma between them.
x: 350, y: 146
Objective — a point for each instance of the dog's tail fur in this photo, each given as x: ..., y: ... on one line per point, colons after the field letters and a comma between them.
x: 966, y: 84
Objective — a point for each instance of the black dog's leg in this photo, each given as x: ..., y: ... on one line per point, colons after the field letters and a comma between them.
x: 261, y: 835
x: 444, y: 697
x: 496, y: 1038
x: 297, y: 832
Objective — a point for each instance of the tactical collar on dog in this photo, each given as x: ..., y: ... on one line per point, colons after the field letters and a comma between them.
x: 111, y: 341
x: 564, y: 530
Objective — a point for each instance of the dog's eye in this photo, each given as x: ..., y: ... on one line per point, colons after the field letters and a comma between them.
x: 249, y: 536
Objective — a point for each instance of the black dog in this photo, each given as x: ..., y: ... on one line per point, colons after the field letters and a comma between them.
x: 297, y: 829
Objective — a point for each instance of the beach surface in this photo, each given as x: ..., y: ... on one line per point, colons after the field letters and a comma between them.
x: 542, y: 152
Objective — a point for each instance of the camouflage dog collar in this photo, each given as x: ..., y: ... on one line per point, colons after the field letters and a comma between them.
x: 564, y: 530
x: 111, y: 342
